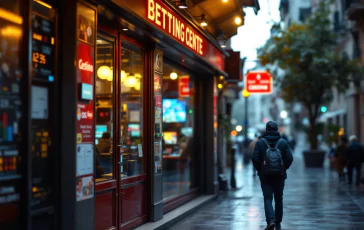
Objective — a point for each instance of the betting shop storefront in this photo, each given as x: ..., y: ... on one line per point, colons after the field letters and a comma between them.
x: 116, y: 117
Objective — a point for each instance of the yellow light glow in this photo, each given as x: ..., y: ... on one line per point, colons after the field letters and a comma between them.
x: 11, y: 31
x: 221, y: 77
x: 37, y: 37
x: 173, y: 75
x: 10, y: 16
x: 43, y: 4
x: 110, y: 75
x: 130, y: 81
x: 204, y: 23
x: 122, y: 76
x: 137, y: 86
x: 246, y: 93
x: 52, y: 40
x: 219, y: 86
x: 103, y: 72
x: 238, y: 20
x: 225, y: 1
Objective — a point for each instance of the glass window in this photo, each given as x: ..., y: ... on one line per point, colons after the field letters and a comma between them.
x: 131, y: 122
x: 178, y: 126
x: 104, y: 109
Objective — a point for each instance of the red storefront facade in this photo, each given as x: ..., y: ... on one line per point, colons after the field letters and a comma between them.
x: 118, y: 113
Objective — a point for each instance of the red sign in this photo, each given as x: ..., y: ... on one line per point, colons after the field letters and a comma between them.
x: 164, y: 18
x: 85, y: 63
x: 184, y: 86
x: 259, y: 82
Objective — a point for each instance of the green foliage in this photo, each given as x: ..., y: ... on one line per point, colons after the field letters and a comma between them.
x: 313, y: 68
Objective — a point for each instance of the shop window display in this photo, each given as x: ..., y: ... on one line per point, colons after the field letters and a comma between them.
x: 131, y: 123
x: 178, y: 125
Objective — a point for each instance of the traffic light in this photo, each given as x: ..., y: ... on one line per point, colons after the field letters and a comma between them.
x: 323, y: 109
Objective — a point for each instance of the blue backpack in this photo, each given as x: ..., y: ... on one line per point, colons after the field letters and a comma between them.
x: 273, y: 162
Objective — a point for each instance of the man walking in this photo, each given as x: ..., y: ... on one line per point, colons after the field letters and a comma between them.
x: 271, y: 158
x: 354, y: 158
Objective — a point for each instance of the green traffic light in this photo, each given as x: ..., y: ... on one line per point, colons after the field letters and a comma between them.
x: 323, y: 109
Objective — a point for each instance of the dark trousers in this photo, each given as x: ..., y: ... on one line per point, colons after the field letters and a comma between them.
x: 273, y: 187
x: 357, y: 167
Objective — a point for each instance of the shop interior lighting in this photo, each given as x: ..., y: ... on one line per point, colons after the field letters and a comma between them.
x: 110, y: 75
x: 225, y: 1
x: 182, y: 4
x: 10, y: 16
x: 123, y: 76
x: 173, y: 75
x: 43, y: 4
x: 238, y: 20
x: 130, y: 81
x: 125, y: 29
x: 137, y: 85
x: 219, y: 86
x: 103, y: 72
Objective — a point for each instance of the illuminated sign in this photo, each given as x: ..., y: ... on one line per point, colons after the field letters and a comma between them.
x: 85, y: 66
x: 86, y: 91
x: 259, y: 82
x: 39, y: 58
x: 168, y: 21
x: 184, y: 86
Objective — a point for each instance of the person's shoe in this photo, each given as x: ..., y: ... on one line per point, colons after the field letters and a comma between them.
x: 278, y: 227
x: 270, y: 226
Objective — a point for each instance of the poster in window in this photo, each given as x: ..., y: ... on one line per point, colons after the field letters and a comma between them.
x: 84, y: 188
x: 86, y: 24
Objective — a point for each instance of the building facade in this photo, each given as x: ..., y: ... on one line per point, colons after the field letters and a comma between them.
x: 109, y: 112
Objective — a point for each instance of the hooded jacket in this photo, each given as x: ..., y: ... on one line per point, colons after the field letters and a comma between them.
x: 272, y: 135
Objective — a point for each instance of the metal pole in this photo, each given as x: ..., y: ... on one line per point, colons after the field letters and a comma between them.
x: 246, y: 123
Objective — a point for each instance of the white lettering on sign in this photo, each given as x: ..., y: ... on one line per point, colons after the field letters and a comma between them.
x: 85, y: 66
x: 169, y: 22
x: 258, y: 87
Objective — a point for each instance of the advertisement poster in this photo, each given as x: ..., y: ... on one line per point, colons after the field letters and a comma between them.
x: 85, y: 120
x: 86, y: 29
x: 85, y: 159
x: 157, y: 84
x: 84, y: 188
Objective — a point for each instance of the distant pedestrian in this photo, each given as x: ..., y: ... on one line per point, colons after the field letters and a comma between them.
x: 354, y: 158
x: 271, y: 158
x: 340, y: 161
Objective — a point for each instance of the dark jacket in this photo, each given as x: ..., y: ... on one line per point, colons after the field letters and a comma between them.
x: 354, y: 154
x: 261, y: 147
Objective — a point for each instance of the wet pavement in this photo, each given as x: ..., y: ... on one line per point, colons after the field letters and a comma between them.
x: 313, y: 199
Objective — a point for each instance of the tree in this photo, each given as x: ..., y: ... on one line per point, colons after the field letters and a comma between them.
x: 307, y: 53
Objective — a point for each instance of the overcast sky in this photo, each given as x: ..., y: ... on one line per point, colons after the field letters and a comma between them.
x: 256, y: 30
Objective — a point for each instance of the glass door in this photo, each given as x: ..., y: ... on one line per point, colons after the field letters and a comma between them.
x: 133, y: 184
x: 106, y: 172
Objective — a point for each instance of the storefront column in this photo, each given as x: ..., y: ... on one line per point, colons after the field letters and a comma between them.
x: 156, y: 158
x: 77, y: 58
x: 209, y: 158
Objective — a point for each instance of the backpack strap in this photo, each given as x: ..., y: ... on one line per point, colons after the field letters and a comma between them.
x: 278, y: 142
x: 266, y: 143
